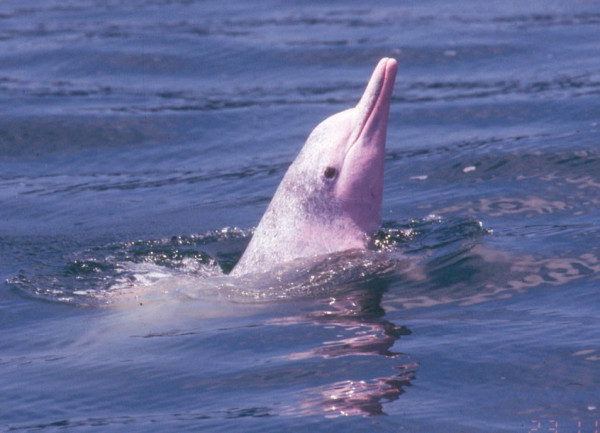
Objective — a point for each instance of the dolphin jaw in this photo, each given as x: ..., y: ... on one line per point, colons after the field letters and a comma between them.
x: 360, y: 186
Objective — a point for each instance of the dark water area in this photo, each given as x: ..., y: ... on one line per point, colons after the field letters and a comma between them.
x: 141, y: 141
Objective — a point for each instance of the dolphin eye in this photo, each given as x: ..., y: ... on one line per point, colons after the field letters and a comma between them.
x: 330, y: 173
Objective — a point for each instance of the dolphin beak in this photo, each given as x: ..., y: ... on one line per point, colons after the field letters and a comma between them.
x: 372, y: 110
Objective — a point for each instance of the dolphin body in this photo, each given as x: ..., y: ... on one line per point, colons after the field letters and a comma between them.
x: 330, y: 197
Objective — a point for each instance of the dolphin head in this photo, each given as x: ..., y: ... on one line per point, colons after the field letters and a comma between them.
x: 343, y: 156
x: 330, y: 197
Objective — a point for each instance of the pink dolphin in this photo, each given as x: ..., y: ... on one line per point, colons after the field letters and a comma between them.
x: 330, y: 198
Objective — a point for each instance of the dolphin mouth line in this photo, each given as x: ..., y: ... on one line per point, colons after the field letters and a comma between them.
x: 381, y: 79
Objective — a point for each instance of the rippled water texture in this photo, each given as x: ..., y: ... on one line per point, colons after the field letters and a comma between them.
x: 141, y: 141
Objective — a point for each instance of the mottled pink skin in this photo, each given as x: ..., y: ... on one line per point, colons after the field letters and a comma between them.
x: 312, y: 213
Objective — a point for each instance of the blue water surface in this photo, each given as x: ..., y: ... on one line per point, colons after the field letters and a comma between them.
x: 141, y: 141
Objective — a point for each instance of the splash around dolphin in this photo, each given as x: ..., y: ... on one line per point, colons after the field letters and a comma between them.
x: 330, y: 197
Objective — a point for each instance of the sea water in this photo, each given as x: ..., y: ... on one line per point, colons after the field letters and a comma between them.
x: 141, y: 141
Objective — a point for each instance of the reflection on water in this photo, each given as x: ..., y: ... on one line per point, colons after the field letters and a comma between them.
x: 357, y: 319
